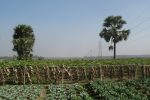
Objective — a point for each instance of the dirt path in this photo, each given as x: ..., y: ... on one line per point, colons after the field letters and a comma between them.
x: 42, y: 95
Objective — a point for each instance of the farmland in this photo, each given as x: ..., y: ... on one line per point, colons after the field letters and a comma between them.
x: 74, y: 50
x: 71, y: 70
x: 93, y: 90
x: 73, y: 62
x: 75, y: 79
x: 21, y: 92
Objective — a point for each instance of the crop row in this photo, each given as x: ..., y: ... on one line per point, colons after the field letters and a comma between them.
x: 73, y: 62
x: 64, y: 74
x: 94, y: 90
x: 116, y: 91
x: 19, y: 92
x: 67, y: 92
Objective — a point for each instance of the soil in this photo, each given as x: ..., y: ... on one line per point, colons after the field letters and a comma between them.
x: 42, y: 94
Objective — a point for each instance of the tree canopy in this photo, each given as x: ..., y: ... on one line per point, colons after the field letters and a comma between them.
x: 23, y: 41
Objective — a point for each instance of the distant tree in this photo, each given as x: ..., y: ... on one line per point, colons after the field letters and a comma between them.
x: 112, y: 31
x: 23, y: 41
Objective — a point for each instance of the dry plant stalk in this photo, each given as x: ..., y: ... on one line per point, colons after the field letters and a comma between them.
x: 15, y: 75
x: 2, y: 78
x: 37, y: 74
x: 47, y: 74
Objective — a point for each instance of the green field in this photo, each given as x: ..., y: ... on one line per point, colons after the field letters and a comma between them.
x: 94, y: 90
x: 74, y: 62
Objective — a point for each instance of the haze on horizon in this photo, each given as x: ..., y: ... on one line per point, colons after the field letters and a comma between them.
x: 70, y: 28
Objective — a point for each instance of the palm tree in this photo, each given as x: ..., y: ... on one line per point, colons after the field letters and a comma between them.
x: 112, y: 31
x: 23, y: 41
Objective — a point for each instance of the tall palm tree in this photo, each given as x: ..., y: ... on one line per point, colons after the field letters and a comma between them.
x: 23, y: 41
x: 112, y: 31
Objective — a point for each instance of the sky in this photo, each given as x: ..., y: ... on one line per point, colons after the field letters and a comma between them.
x: 70, y: 28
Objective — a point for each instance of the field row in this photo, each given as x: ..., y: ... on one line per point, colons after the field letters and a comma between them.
x: 73, y: 62
x: 94, y: 90
x: 63, y: 74
x: 132, y: 90
x: 20, y: 92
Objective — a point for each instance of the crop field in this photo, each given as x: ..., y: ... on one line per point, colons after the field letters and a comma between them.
x: 75, y: 79
x: 71, y: 70
x: 20, y: 92
x: 94, y: 90
x: 73, y: 62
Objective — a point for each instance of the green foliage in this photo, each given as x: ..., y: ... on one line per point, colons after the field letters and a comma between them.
x: 94, y: 90
x: 68, y: 92
x: 113, y: 29
x: 73, y: 62
x: 128, y: 90
x: 20, y: 92
x: 23, y: 41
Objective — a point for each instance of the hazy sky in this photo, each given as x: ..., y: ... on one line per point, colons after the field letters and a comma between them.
x: 70, y: 28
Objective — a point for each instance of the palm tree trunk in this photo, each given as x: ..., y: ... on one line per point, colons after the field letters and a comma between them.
x: 114, y: 50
